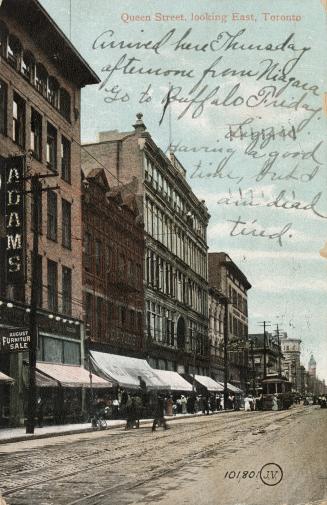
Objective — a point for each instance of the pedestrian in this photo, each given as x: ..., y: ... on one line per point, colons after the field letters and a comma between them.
x: 179, y: 405
x: 222, y: 402
x: 159, y: 414
x: 218, y: 402
x: 169, y: 406
x: 115, y: 408
x: 275, y: 402
x: 247, y: 406
x: 183, y: 404
x: 138, y: 409
x: 206, y: 405
x: 130, y: 413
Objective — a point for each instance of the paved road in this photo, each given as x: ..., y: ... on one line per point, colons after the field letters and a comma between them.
x: 198, y: 461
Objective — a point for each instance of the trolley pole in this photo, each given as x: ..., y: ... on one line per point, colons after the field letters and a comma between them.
x: 36, y: 192
x: 264, y: 324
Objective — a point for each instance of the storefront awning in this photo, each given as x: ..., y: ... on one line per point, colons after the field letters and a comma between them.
x: 208, y: 383
x: 125, y: 371
x: 231, y: 388
x: 175, y: 381
x: 5, y: 379
x: 42, y: 381
x: 70, y: 376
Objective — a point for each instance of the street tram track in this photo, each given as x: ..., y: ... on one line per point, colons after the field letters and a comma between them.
x: 130, y: 434
x: 161, y: 442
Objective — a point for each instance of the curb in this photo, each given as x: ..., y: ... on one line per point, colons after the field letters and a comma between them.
x: 36, y: 436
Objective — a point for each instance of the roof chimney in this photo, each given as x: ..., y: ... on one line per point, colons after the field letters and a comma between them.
x: 139, y: 125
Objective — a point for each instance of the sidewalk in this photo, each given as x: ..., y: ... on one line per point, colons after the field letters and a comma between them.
x: 10, y: 435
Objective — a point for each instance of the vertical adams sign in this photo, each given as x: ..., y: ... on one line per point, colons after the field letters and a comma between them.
x: 13, y: 235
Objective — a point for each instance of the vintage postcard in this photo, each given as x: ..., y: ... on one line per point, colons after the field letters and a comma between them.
x: 163, y: 244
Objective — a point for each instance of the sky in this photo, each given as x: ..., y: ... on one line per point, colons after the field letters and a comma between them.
x: 237, y: 90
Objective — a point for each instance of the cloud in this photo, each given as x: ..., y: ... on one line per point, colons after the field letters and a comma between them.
x: 278, y: 284
x: 247, y: 255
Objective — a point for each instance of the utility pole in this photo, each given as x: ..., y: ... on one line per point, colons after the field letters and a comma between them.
x: 264, y: 324
x: 253, y: 368
x: 36, y: 192
x: 226, y: 364
x: 279, y: 353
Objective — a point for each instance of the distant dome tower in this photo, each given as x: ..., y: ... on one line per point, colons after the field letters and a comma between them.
x: 312, y: 366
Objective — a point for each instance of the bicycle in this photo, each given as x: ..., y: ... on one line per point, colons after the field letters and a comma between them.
x: 98, y: 422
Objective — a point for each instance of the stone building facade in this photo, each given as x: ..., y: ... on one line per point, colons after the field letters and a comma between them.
x: 175, y: 263
x: 230, y: 281
x: 217, y: 329
x: 291, y: 350
x: 41, y: 75
x: 113, y: 253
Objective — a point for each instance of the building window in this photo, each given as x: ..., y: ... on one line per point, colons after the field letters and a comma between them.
x: 87, y: 251
x: 18, y: 119
x: 66, y: 290
x: 52, y: 286
x: 39, y: 217
x: 88, y: 308
x: 28, y: 66
x: 36, y: 134
x: 98, y: 254
x: 65, y: 104
x: 65, y: 159
x: 3, y: 107
x: 14, y: 51
x: 52, y: 215
x: 99, y: 306
x: 3, y: 39
x: 53, y: 91
x: 122, y: 316
x: 41, y: 79
x: 39, y: 276
x: 51, y: 147
x: 66, y: 224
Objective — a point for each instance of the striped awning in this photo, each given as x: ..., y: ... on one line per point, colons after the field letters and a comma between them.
x: 69, y: 376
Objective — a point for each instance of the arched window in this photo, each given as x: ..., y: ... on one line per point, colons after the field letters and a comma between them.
x: 41, y: 79
x: 28, y: 66
x: 14, y: 51
x: 53, y: 91
x: 3, y: 39
x: 65, y: 103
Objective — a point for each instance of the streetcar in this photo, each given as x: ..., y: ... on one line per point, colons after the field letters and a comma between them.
x: 276, y: 385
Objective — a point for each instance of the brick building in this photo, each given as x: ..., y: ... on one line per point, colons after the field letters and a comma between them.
x: 176, y: 323
x: 232, y: 284
x: 265, y: 352
x: 41, y: 75
x: 113, y: 253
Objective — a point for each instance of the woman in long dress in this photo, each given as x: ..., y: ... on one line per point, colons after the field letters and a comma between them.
x: 275, y: 402
x: 247, y: 406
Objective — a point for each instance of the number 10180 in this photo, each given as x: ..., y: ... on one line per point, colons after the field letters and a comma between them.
x: 241, y: 474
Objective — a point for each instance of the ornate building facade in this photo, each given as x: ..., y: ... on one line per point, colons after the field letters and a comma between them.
x: 175, y: 261
x: 291, y: 350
